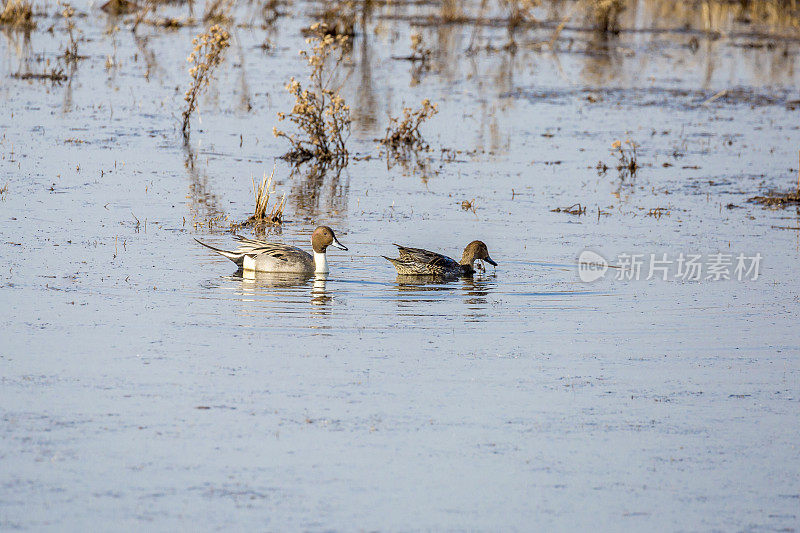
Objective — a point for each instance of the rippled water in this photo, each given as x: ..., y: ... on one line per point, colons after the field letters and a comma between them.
x: 145, y: 384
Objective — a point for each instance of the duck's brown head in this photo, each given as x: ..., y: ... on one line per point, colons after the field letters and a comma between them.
x: 476, y: 250
x: 323, y: 237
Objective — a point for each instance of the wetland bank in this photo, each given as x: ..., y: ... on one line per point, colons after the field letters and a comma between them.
x: 147, y: 385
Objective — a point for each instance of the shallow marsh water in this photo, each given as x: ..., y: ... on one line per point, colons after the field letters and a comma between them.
x: 146, y: 385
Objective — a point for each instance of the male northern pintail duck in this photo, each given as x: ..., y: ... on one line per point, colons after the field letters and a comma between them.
x: 262, y: 256
x: 417, y: 262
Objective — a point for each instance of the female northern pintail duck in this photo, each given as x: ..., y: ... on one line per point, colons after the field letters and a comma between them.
x: 417, y: 262
x: 262, y: 256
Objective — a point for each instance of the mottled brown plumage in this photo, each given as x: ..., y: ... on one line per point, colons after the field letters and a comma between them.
x: 419, y: 262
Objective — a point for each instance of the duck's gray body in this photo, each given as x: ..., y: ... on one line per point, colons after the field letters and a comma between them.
x: 261, y: 256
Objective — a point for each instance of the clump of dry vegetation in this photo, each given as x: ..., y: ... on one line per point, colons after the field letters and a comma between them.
x: 605, y: 14
x: 469, y: 205
x: 519, y: 11
x: 320, y: 114
x: 780, y: 199
x: 627, y: 156
x: 119, y: 7
x: 403, y: 135
x: 262, y: 195
x: 338, y: 18
x: 71, y: 51
x: 419, y: 52
x: 627, y: 159
x: 208, y: 53
x: 55, y: 75
x: 420, y: 58
x: 217, y: 11
x: 658, y: 212
x: 574, y: 209
x: 18, y: 14
x: 770, y: 12
x: 452, y: 11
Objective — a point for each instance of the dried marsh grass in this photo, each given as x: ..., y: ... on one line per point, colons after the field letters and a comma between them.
x: 208, y: 53
x: 320, y: 114
x: 55, y: 75
x: 71, y: 51
x: 627, y: 155
x: 218, y: 11
x: 18, y: 14
x: 519, y: 11
x: 403, y: 135
x: 780, y: 199
x: 339, y: 18
x: 262, y: 196
x: 604, y: 14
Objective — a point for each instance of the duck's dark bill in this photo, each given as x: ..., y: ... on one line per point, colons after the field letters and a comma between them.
x: 489, y: 260
x: 337, y: 244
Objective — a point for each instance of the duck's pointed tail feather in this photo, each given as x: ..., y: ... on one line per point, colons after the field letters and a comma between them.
x: 395, y: 262
x: 233, y: 256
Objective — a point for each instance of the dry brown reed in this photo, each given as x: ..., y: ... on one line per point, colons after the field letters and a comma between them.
x: 339, y: 18
x: 262, y: 196
x: 17, y: 14
x: 627, y: 157
x: 55, y: 75
x: 519, y: 11
x: 403, y: 135
x: 604, y: 14
x: 574, y: 209
x: 208, y: 53
x: 71, y: 51
x: 218, y: 11
x: 419, y: 52
x: 320, y: 114
x: 781, y: 199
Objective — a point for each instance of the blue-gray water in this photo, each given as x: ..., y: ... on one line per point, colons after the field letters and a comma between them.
x: 145, y: 385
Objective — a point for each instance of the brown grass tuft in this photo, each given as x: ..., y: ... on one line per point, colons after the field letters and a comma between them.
x: 18, y: 14
x: 262, y: 196
x: 605, y: 14
x: 404, y: 135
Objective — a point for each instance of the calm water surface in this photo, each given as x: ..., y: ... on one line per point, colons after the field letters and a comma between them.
x: 145, y: 384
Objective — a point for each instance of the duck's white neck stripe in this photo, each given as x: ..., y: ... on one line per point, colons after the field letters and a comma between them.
x: 320, y: 263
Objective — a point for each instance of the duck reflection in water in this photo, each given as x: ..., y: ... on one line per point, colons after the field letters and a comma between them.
x: 407, y: 282
x: 290, y: 286
x: 252, y: 280
x: 320, y: 298
x: 474, y: 289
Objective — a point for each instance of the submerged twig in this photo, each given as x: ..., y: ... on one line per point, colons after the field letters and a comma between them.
x: 574, y: 209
